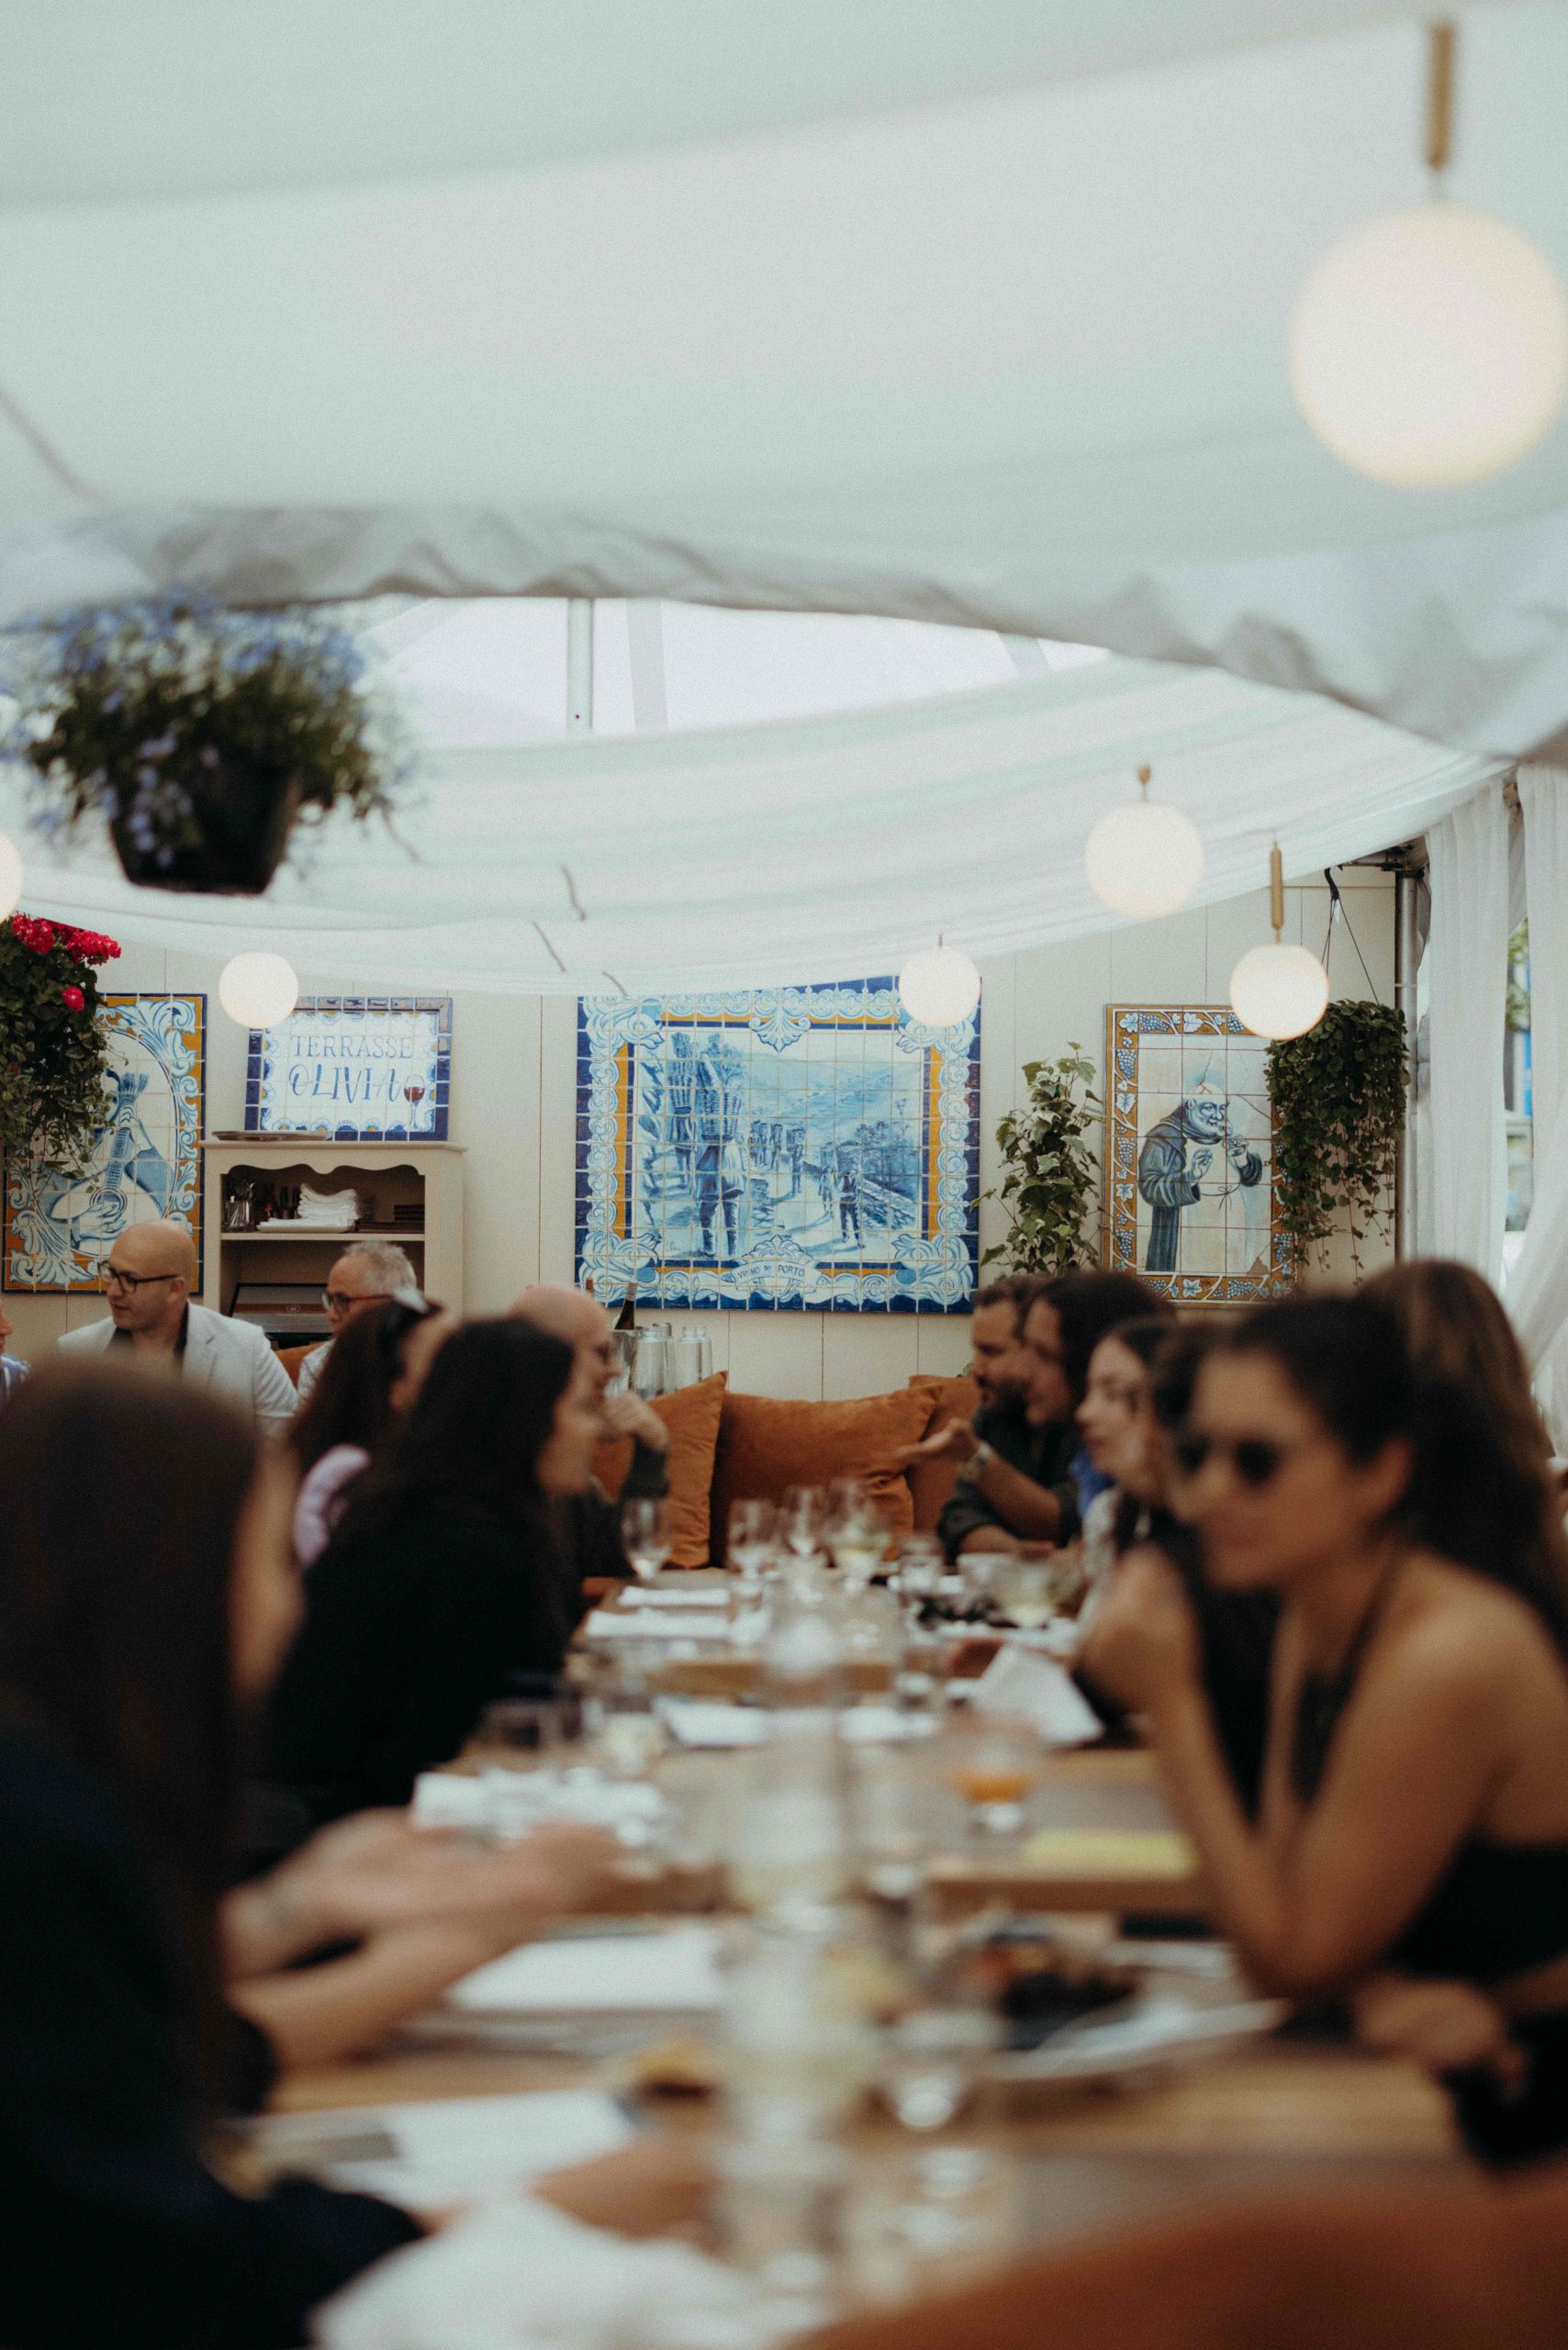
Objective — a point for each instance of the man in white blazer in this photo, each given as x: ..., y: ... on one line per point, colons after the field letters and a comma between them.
x: 150, y: 1275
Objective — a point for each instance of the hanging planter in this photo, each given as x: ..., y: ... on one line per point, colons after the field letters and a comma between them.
x: 1338, y: 1101
x: 201, y: 736
x: 54, y: 1054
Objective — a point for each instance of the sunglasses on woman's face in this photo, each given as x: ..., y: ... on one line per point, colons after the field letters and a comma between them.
x: 1256, y: 1461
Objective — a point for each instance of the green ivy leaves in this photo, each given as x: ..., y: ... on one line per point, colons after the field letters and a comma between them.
x: 1051, y: 1167
x: 1338, y: 1098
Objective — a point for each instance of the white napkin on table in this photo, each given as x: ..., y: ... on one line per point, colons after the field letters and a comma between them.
x: 521, y: 2276
x: 1018, y: 1682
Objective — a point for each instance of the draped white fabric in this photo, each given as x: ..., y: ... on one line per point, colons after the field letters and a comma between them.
x: 819, y: 848
x: 962, y: 309
x: 1537, y: 1284
x: 1468, y: 951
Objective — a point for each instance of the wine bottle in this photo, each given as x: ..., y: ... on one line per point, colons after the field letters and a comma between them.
x: 627, y: 1317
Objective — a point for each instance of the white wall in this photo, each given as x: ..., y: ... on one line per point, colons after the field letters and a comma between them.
x: 514, y: 1108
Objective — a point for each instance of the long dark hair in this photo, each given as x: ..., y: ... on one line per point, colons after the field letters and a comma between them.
x: 1088, y: 1306
x: 119, y: 1497
x: 350, y: 1402
x: 474, y: 1437
x: 1475, y: 1495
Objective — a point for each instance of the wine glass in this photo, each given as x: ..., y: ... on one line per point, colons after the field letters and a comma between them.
x: 750, y: 1543
x: 994, y: 1763
x: 645, y: 1529
x: 1026, y: 1590
x: 855, y: 1533
x: 801, y: 1515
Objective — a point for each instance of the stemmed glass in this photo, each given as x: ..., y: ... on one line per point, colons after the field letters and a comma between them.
x: 994, y: 1763
x: 855, y: 1533
x: 802, y: 1516
x: 750, y: 1543
x: 645, y: 1529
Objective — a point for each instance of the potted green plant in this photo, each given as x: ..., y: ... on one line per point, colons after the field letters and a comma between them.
x: 201, y: 736
x: 54, y: 1054
x: 1338, y: 1101
x: 1051, y: 1174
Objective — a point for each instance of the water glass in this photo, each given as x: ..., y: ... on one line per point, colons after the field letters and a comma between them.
x: 931, y: 2062
x: 921, y: 1564
x: 1028, y: 1590
x: 749, y: 1540
x: 645, y: 1529
x: 801, y: 1517
x: 995, y: 1764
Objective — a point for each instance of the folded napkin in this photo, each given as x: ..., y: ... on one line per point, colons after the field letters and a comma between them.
x: 520, y: 2276
x: 1016, y: 1681
x: 675, y: 1971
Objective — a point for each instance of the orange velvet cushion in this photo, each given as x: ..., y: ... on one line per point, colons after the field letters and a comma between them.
x: 931, y: 1481
x: 764, y: 1445
x: 691, y: 1416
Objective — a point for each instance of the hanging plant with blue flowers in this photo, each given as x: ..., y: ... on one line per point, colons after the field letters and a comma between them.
x: 203, y: 736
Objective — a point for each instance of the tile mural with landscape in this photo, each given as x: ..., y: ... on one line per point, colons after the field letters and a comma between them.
x: 145, y: 1160
x: 1190, y: 1155
x: 803, y: 1147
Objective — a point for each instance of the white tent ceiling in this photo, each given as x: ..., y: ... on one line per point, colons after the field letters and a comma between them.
x: 760, y: 842
x: 960, y: 309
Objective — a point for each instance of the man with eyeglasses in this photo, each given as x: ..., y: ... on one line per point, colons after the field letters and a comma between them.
x: 151, y: 1272
x: 367, y: 1273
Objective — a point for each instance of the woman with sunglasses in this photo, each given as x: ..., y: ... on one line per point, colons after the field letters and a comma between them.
x: 1415, y: 1805
x: 373, y: 1371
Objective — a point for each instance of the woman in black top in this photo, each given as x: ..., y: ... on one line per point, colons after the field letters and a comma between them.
x: 441, y: 1579
x: 128, y: 1647
x: 1415, y: 1806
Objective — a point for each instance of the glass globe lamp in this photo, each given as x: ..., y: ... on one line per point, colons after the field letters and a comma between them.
x: 257, y: 989
x: 1143, y: 858
x: 938, y: 987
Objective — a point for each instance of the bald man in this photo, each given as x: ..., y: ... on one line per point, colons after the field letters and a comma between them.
x: 151, y: 1273
x: 587, y: 1525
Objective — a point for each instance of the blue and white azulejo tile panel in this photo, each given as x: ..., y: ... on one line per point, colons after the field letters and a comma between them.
x: 353, y: 1067
x: 143, y: 1162
x: 1190, y: 1198
x: 778, y: 1148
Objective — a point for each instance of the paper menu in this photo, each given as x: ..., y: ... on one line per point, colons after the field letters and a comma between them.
x: 673, y: 1972
x: 437, y: 2151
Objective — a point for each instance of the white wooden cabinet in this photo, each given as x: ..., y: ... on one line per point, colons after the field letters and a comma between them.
x: 426, y: 1177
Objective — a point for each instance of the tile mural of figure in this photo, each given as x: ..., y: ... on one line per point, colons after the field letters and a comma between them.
x: 782, y: 1146
x: 1171, y: 1182
x: 1190, y: 1152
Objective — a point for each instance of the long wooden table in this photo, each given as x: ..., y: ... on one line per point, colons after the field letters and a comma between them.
x: 1292, y: 2111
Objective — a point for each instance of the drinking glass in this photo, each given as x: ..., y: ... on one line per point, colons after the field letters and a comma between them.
x: 645, y: 1529
x: 995, y: 1764
x: 921, y: 1564
x: 856, y: 1532
x: 931, y: 2062
x: 1027, y: 1590
x: 749, y: 1543
x: 801, y: 1514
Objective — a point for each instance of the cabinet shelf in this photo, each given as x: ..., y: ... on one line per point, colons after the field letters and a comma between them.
x: 339, y: 1240
x: 425, y: 1179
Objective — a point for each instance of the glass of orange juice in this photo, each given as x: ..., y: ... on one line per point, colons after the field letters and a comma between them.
x: 994, y: 1763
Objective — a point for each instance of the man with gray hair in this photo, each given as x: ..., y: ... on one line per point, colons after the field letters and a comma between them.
x: 367, y: 1273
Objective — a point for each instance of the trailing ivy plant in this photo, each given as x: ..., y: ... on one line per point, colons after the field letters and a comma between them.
x: 1339, y: 1099
x: 1051, y: 1173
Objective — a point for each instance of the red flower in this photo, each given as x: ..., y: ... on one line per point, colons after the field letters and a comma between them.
x: 74, y: 998
x: 89, y: 947
x: 33, y: 932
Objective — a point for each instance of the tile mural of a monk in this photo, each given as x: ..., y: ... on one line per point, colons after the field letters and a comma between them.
x: 1171, y: 1181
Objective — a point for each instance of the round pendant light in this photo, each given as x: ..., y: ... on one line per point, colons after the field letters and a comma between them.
x: 257, y: 989
x: 938, y: 987
x: 1143, y: 858
x: 1279, y: 990
x: 1430, y: 348
x: 10, y: 876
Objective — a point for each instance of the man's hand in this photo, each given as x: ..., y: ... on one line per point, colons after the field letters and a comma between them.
x: 628, y: 1414
x: 1201, y: 1161
x: 956, y: 1441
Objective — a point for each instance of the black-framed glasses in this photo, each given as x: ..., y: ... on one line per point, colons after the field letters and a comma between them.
x: 337, y: 1301
x: 115, y: 1278
x: 1256, y: 1461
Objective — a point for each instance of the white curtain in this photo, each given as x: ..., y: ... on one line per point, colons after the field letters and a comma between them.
x: 1469, y: 961
x: 1538, y: 1286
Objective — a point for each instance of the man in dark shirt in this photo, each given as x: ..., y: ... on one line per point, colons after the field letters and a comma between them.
x: 587, y: 1525
x: 1014, y: 1454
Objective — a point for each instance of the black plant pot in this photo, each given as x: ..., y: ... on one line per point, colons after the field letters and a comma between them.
x: 244, y: 824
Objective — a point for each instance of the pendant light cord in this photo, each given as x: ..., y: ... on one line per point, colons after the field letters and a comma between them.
x: 1337, y: 911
